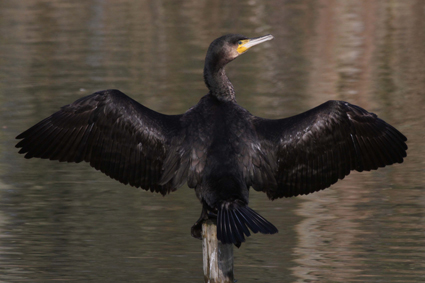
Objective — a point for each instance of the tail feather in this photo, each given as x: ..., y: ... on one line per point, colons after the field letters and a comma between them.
x: 249, y: 222
x: 264, y: 226
x: 221, y: 227
x: 257, y: 222
x: 227, y: 228
x: 238, y: 233
x: 241, y: 224
x: 233, y: 220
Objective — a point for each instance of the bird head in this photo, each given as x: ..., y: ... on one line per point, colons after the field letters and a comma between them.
x: 226, y: 48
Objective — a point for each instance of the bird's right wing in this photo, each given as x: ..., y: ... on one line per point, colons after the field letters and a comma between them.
x: 115, y: 134
x: 314, y: 149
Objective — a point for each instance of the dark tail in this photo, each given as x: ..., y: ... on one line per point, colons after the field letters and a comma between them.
x: 234, y: 219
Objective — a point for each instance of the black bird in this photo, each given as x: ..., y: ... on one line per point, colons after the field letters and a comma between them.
x: 217, y: 147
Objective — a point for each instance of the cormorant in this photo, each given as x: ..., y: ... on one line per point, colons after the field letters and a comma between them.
x: 217, y: 147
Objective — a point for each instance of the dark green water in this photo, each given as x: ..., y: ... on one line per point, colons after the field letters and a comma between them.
x: 68, y: 222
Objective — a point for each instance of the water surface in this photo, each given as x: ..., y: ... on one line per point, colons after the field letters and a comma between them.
x: 69, y: 222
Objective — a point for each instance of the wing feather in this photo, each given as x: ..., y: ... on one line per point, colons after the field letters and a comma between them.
x: 115, y: 134
x: 315, y: 149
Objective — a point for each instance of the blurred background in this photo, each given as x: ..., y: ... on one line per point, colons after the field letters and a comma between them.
x: 69, y: 222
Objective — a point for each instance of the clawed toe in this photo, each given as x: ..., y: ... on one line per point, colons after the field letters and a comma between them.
x: 196, y: 230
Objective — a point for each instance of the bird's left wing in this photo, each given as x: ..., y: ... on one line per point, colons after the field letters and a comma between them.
x: 314, y: 149
x: 115, y: 134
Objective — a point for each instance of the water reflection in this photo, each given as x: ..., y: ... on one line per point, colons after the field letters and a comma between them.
x: 69, y: 222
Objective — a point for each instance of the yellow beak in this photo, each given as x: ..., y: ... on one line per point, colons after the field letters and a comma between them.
x: 244, y: 45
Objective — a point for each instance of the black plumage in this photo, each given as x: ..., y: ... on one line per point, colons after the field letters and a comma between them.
x: 217, y: 147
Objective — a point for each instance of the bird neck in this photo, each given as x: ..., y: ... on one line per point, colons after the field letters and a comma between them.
x: 218, y: 83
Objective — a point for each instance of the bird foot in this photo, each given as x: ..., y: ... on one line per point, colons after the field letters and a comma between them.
x: 196, y: 229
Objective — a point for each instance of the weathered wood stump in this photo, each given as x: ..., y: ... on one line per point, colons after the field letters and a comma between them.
x: 218, y: 258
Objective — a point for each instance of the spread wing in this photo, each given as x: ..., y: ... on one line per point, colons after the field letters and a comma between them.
x: 114, y: 133
x: 314, y: 149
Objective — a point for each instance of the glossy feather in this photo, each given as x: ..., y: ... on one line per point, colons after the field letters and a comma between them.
x: 217, y: 146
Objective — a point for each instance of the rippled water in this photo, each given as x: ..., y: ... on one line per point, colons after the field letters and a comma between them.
x: 69, y: 222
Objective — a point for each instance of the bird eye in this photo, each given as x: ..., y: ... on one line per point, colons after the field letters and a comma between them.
x: 240, y: 42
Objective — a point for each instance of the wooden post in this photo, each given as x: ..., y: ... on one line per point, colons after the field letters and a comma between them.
x: 218, y: 258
